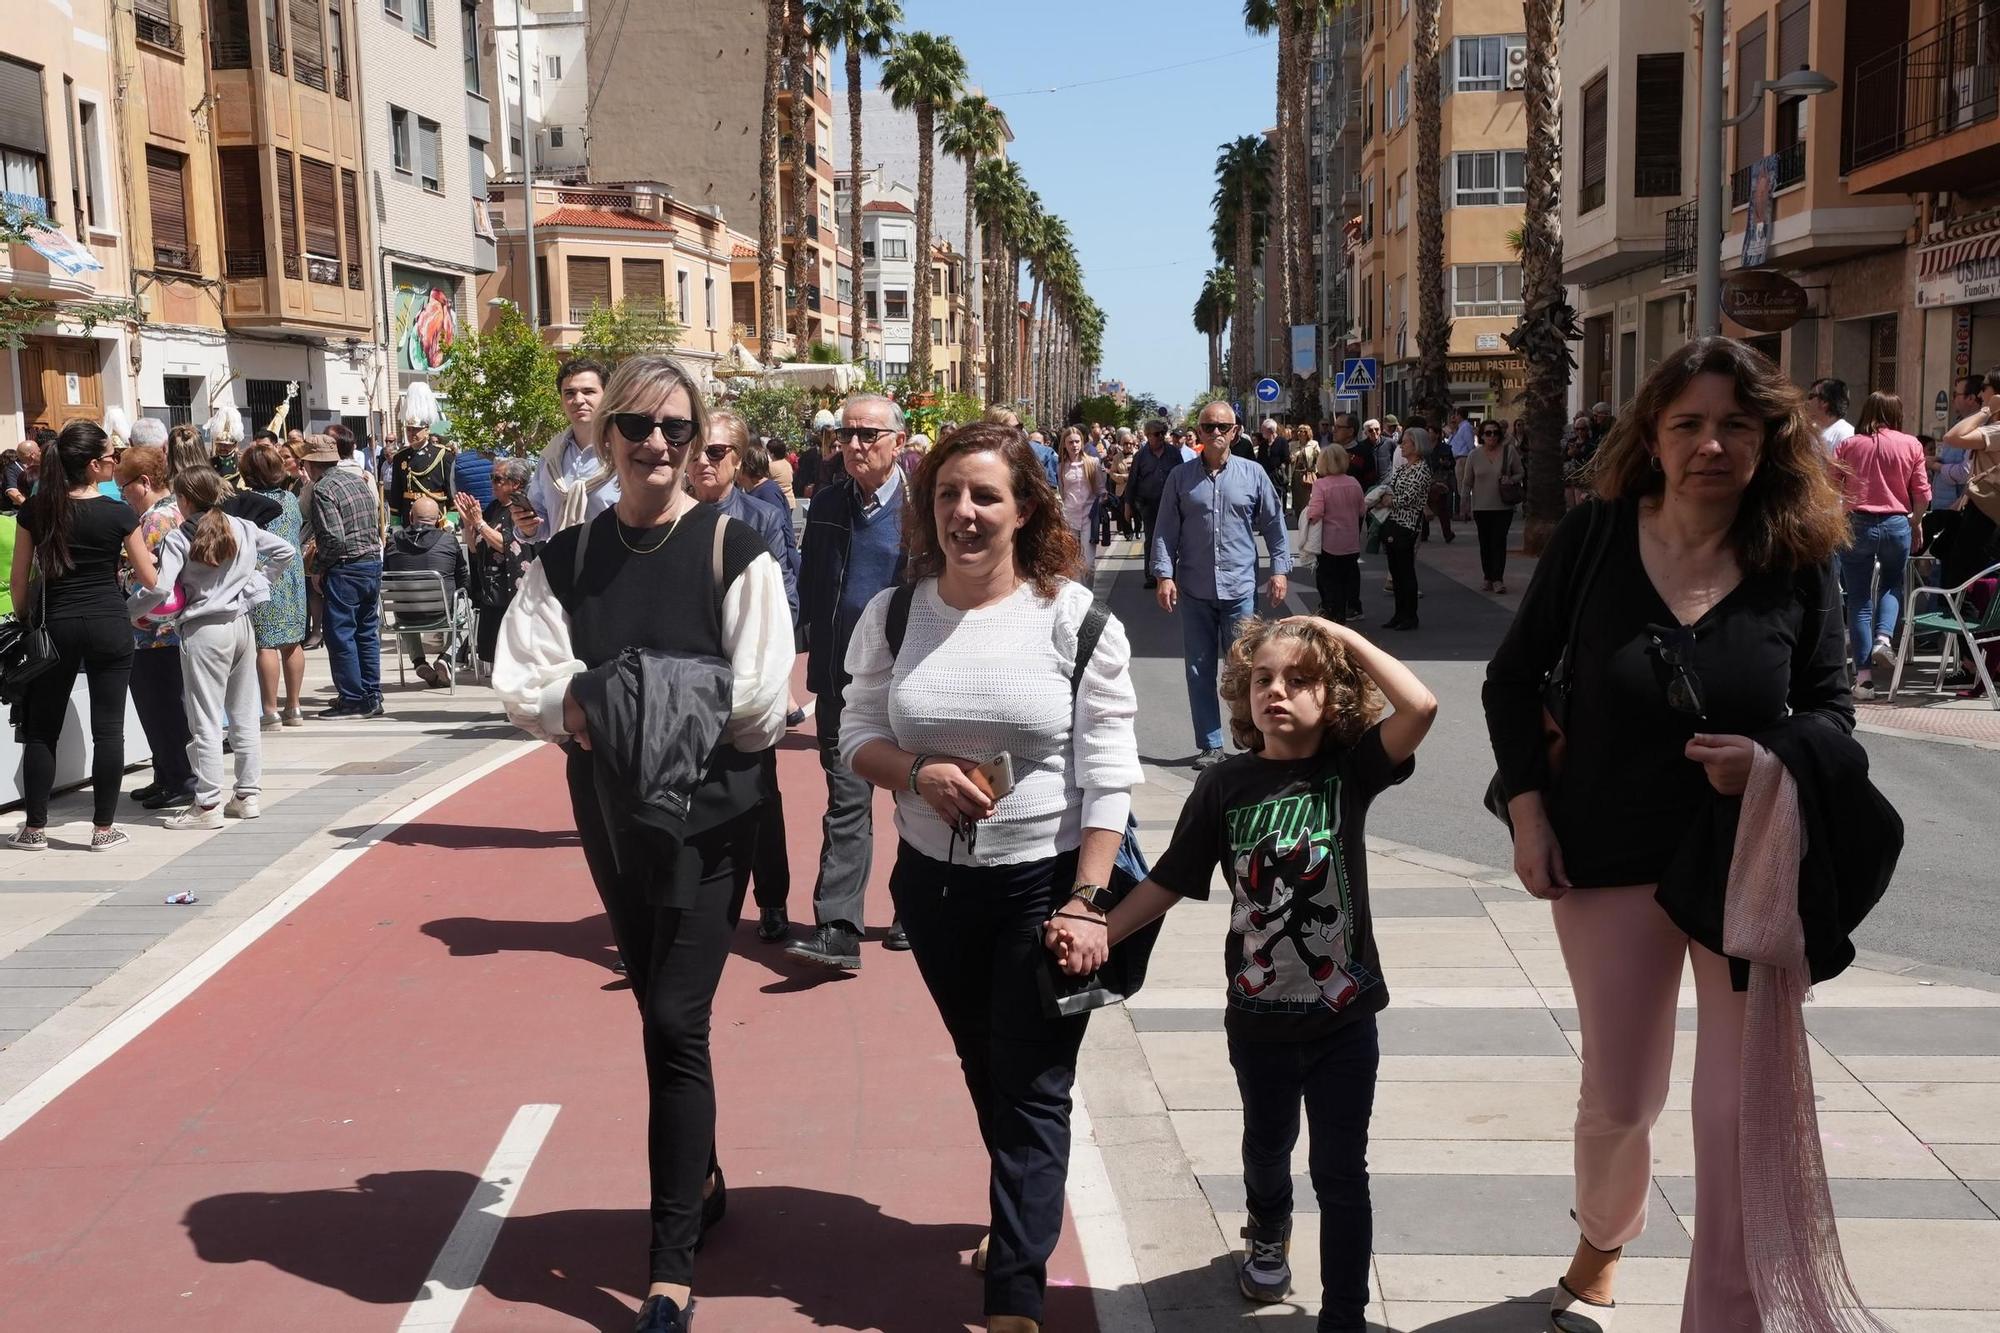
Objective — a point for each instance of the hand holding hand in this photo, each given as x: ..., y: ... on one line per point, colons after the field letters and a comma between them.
x: 1727, y: 760
x: 1079, y: 939
x: 946, y: 783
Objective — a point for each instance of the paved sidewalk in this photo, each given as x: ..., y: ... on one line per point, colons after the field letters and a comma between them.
x: 1471, y: 1137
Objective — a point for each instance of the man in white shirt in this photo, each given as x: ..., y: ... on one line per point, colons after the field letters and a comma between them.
x: 574, y: 482
x: 1826, y: 404
x: 1464, y: 439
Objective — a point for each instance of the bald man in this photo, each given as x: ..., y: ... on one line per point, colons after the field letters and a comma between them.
x: 424, y: 544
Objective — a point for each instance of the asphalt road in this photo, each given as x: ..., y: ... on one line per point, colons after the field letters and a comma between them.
x: 1943, y: 908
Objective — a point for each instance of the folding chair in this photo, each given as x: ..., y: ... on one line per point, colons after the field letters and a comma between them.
x: 424, y: 602
x: 1951, y: 623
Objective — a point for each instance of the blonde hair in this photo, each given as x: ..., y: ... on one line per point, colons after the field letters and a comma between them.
x: 649, y: 380
x: 1352, y: 704
x: 1333, y: 460
x: 723, y: 421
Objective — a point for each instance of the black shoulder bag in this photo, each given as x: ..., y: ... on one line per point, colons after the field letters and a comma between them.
x: 1125, y: 971
x: 1556, y: 686
x: 26, y: 650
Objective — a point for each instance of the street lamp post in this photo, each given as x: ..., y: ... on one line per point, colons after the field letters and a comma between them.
x: 1711, y: 205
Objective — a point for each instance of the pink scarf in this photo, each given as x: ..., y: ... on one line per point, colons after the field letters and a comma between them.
x: 1792, y: 1249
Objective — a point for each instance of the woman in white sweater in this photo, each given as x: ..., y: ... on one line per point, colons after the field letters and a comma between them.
x: 982, y: 674
x: 222, y: 567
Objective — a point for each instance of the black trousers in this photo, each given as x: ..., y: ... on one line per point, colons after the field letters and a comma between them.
x: 1399, y: 548
x: 156, y: 698
x: 1339, y: 580
x: 977, y: 936
x: 674, y: 957
x: 101, y: 648
x: 1149, y: 523
x: 1334, y: 1077
x: 771, y: 873
x: 1493, y: 525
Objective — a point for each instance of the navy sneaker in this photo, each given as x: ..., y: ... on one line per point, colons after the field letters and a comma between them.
x: 1265, y: 1273
x: 660, y: 1315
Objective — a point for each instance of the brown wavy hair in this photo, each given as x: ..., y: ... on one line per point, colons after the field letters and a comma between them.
x: 1791, y: 515
x: 1353, y: 701
x: 1045, y: 550
x: 200, y: 491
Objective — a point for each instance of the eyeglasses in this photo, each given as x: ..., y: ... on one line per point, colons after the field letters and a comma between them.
x: 1676, y: 650
x: 1216, y: 427
x: 714, y: 453
x: 865, y: 434
x: 1490, y: 434
x: 638, y: 427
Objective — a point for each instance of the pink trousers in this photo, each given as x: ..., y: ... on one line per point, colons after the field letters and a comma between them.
x: 1624, y: 958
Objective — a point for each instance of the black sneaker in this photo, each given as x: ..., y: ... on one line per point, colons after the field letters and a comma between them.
x: 898, y: 939
x: 1265, y: 1273
x: 832, y: 945
x: 145, y: 793
x: 373, y: 708
x: 167, y: 800
x: 1207, y: 759
x: 773, y: 923
x: 795, y: 717
x: 340, y: 710
x: 660, y: 1315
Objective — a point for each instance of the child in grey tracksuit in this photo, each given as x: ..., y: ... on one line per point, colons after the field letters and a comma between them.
x: 222, y: 567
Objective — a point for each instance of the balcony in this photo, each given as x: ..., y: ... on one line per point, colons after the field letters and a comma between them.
x: 1683, y: 240
x: 28, y: 205
x: 1654, y: 180
x: 156, y: 31
x: 277, y: 55
x: 322, y: 270
x: 580, y: 314
x: 177, y: 258
x: 1922, y: 114
x: 243, y: 264
x: 812, y: 228
x: 1790, y: 166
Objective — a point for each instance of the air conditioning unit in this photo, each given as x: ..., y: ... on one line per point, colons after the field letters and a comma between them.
x: 1517, y: 79
x: 1517, y: 68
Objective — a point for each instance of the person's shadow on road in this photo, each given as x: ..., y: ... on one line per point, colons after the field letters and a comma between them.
x: 840, y: 1261
x: 587, y: 939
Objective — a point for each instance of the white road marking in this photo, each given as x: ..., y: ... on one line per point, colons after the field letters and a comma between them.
x: 459, y: 1264
x: 115, y: 1035
x: 1116, y: 1292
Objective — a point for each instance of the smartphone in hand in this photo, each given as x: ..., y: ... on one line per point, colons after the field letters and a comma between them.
x: 995, y: 777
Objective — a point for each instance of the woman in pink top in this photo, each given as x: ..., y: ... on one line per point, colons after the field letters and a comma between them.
x: 1337, y: 506
x: 1883, y: 477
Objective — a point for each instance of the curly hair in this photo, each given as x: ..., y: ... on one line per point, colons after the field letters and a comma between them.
x: 1791, y: 516
x: 1045, y: 550
x: 1352, y: 701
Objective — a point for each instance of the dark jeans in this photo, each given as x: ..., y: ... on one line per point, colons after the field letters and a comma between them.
x: 977, y: 936
x: 1335, y: 1079
x: 1443, y: 499
x: 1493, y: 525
x: 847, y: 830
x: 1339, y: 580
x: 1399, y: 548
x: 1149, y: 523
x: 101, y: 648
x: 156, y: 698
x: 1105, y: 509
x: 354, y: 629
x: 674, y: 957
x: 771, y: 875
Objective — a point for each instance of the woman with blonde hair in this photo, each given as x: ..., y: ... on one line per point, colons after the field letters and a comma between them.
x: 697, y: 594
x: 1081, y: 483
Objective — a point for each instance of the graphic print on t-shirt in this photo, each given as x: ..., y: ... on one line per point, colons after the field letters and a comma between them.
x: 1292, y: 905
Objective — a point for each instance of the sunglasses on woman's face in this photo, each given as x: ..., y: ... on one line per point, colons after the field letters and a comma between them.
x: 638, y: 427
x: 714, y: 453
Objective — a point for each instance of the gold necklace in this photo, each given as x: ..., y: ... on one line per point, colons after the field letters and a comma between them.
x: 619, y: 523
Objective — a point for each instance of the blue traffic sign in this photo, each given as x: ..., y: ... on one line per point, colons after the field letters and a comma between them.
x: 1361, y: 372
x: 1267, y: 391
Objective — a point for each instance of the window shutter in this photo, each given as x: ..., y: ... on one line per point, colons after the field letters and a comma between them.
x: 242, y: 209
x: 1656, y: 137
x: 645, y: 282
x: 589, y: 284
x: 308, y: 43
x: 427, y: 153
x: 1794, y: 35
x: 1596, y: 129
x: 322, y: 232
x: 22, y: 124
x: 1749, y: 67
x: 163, y: 10
x: 166, y: 191
x: 288, y: 214
x: 350, y: 220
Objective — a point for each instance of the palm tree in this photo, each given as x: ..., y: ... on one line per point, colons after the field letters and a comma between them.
x: 1242, y: 216
x: 1433, y: 386
x: 1547, y: 323
x: 994, y: 197
x: 924, y: 73
x: 767, y: 147
x: 804, y: 270
x: 974, y: 130
x: 863, y: 28
x: 1211, y: 316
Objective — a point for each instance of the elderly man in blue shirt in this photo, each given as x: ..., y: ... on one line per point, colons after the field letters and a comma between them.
x: 1205, y: 559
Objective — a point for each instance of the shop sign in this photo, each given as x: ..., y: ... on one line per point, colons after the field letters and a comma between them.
x: 1763, y: 300
x: 1509, y: 372
x: 1961, y: 344
x: 1959, y: 272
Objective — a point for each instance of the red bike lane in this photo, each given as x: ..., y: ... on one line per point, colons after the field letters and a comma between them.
x: 299, y: 1139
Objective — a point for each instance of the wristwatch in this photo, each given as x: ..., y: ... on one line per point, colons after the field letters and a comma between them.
x: 1094, y: 896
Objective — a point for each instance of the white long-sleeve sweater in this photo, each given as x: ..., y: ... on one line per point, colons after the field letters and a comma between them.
x: 970, y: 684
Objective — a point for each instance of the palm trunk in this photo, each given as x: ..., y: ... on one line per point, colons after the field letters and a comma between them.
x: 1300, y: 85
x: 974, y: 381
x: 1541, y: 269
x: 767, y: 220
x: 854, y: 351
x: 920, y: 365
x: 1214, y: 355
x: 1280, y: 295
x: 1433, y: 386
x: 1032, y: 372
x: 1242, y: 351
x: 805, y: 196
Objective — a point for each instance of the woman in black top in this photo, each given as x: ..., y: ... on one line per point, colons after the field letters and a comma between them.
x: 1705, y: 608
x: 75, y: 537
x: 649, y: 573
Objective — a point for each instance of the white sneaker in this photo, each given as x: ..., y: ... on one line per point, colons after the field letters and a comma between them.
x: 1883, y: 659
x: 197, y: 817
x: 241, y: 807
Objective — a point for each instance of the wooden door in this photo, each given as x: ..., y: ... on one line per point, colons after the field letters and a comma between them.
x: 59, y: 382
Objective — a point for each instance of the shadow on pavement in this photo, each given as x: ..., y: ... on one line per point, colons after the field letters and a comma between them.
x: 792, y: 975
x: 587, y: 939
x: 838, y: 1260
x: 1212, y: 1286
x: 468, y: 837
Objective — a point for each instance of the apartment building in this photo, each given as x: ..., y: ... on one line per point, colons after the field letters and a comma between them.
x: 948, y: 316
x: 418, y: 59
x: 1483, y: 151
x: 703, y: 135
x: 558, y: 92
x: 59, y: 150
x: 888, y: 280
x: 601, y: 244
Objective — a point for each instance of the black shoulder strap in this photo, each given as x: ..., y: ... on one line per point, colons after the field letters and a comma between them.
x: 582, y: 545
x: 1087, y: 635
x: 899, y: 616
x: 1596, y: 539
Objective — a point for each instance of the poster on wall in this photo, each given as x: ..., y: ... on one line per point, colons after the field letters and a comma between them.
x: 1757, y: 226
x: 424, y: 321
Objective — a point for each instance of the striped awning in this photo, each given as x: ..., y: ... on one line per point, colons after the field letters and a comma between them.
x: 1935, y: 260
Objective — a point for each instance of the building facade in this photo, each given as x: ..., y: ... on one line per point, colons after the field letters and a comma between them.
x: 558, y: 96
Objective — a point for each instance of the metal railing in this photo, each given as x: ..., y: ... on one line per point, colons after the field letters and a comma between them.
x: 1683, y: 242
x: 179, y: 258
x: 323, y: 270
x: 1944, y: 79
x: 1790, y: 169
x: 156, y: 31
x: 354, y: 277
x: 580, y: 314
x: 243, y: 264
x: 31, y: 205
x: 309, y: 70
x: 277, y: 57
x: 1651, y: 180
x: 230, y: 52
x: 293, y: 265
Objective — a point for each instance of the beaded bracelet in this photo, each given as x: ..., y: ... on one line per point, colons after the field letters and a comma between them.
x: 916, y: 766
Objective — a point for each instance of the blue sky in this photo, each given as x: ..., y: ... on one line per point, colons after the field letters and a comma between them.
x: 1129, y: 165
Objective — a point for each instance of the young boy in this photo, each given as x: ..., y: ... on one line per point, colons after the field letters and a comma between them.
x: 1285, y: 821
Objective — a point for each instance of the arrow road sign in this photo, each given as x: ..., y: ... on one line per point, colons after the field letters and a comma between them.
x: 1267, y: 391
x: 1361, y: 372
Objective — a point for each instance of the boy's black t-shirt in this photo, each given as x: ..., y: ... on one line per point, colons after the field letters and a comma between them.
x: 1301, y: 957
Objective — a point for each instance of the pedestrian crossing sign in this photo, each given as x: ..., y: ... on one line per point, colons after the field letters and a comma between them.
x: 1361, y: 372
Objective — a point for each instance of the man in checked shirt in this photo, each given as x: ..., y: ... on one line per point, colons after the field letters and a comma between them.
x: 343, y: 533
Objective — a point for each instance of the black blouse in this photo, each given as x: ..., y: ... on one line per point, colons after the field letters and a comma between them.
x: 1774, y: 647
